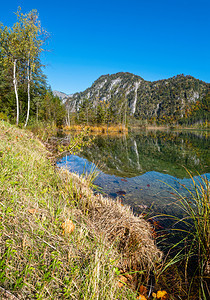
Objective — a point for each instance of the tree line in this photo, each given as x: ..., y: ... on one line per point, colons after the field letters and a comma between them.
x: 106, y: 112
x: 117, y: 111
x: 24, y: 92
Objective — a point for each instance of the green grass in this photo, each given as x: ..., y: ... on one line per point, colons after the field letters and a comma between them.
x: 190, y: 265
x: 197, y: 235
x: 39, y: 261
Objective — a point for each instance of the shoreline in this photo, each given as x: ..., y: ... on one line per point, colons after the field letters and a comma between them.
x: 45, y: 209
x: 60, y: 240
x: 120, y: 129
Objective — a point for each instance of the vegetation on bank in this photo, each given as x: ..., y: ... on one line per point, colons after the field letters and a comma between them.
x: 196, y: 236
x: 57, y: 239
x: 98, y: 129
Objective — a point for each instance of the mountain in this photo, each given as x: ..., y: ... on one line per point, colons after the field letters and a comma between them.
x: 126, y: 94
x: 61, y: 95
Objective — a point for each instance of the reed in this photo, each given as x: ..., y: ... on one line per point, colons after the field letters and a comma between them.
x: 197, y: 222
x: 99, y: 129
x: 192, y: 250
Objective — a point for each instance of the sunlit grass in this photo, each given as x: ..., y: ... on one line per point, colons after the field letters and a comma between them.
x: 111, y: 130
x: 40, y: 258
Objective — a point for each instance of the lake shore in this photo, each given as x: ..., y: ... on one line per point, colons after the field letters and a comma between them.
x: 118, y: 129
x: 62, y: 241
x: 98, y: 129
x: 60, y: 234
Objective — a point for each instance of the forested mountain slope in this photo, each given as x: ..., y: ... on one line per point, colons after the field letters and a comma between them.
x: 117, y: 96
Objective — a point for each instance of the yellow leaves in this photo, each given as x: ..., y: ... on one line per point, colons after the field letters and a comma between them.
x: 143, y: 291
x: 141, y: 297
x: 160, y: 295
x: 126, y: 279
x: 68, y: 227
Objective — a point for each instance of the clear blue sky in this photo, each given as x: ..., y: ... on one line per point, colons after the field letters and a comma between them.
x: 154, y: 39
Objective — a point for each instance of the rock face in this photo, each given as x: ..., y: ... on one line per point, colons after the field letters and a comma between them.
x: 145, y: 99
x: 61, y: 95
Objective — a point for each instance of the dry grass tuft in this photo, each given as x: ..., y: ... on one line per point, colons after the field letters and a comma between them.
x: 117, y: 224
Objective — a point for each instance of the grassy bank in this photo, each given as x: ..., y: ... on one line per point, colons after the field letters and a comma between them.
x: 58, y: 240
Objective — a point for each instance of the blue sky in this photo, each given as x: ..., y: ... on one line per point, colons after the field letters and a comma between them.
x: 155, y: 39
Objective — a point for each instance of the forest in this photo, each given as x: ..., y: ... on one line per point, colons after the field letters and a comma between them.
x: 25, y: 96
x: 125, y: 98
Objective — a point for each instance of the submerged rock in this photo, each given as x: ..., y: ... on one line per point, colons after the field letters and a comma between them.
x: 121, y: 193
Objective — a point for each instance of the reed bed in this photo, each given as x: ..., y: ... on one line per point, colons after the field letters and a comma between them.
x: 99, y: 129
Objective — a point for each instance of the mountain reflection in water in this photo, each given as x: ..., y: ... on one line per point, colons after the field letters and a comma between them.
x: 144, y: 170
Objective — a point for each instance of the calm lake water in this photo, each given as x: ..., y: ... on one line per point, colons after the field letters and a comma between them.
x: 145, y: 169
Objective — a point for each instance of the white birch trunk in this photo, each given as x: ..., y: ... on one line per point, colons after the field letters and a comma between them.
x: 125, y: 114
x: 68, y: 122
x: 29, y: 97
x: 69, y: 118
x: 15, y: 87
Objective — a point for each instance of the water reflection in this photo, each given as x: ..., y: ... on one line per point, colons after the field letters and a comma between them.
x: 144, y: 169
x: 151, y: 151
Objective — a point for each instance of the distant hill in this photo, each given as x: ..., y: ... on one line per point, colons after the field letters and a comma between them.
x: 120, y: 95
x: 61, y: 95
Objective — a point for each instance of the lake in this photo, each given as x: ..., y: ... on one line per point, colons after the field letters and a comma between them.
x: 146, y: 169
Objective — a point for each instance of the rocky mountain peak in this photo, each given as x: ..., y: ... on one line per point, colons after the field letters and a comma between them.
x: 172, y: 98
x: 62, y: 95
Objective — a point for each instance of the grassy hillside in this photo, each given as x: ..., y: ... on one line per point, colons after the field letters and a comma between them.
x: 58, y: 240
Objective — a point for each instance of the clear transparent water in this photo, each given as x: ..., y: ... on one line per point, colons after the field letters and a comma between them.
x: 145, y: 170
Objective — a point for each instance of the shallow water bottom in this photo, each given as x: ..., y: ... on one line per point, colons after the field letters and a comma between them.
x: 153, y: 191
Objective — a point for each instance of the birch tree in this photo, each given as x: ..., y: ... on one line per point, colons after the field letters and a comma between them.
x: 11, y: 54
x: 34, y: 37
x: 21, y: 47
